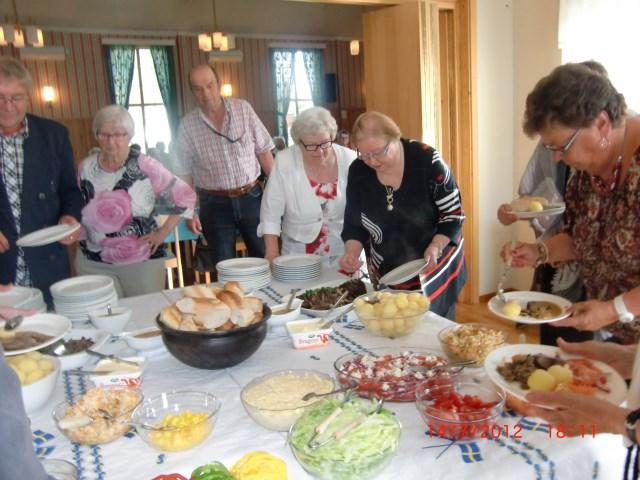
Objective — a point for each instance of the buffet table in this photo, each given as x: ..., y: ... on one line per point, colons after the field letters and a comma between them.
x: 534, y: 456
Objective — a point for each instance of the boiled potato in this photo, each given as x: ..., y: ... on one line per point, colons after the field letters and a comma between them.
x: 512, y: 308
x: 30, y: 367
x: 402, y: 301
x: 400, y: 324
x: 415, y: 296
x: 535, y: 206
x: 561, y: 373
x: 374, y: 325
x: 542, y: 380
x: 27, y: 365
x: 389, y: 310
x: 359, y: 302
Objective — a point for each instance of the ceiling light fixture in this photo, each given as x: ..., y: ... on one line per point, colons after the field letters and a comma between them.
x: 15, y: 34
x: 218, y: 41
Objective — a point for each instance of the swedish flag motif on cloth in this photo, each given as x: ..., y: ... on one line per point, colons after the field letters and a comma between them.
x: 534, y: 426
x: 470, y: 452
x: 39, y: 439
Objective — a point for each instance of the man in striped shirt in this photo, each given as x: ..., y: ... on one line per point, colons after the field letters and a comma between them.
x: 222, y: 145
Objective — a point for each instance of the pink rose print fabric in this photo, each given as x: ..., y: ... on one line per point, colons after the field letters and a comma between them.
x: 108, y: 212
x: 122, y: 206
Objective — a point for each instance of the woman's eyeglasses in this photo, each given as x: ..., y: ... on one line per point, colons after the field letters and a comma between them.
x: 108, y: 136
x: 370, y: 156
x: 564, y: 148
x: 315, y: 146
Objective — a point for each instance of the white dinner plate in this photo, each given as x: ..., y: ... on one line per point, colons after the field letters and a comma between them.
x: 495, y: 306
x: 615, y: 383
x: 56, y: 326
x: 252, y: 264
x: 47, y: 235
x: 82, y: 287
x: 16, y: 296
x: 297, y: 262
x: 551, y: 210
x: 403, y: 273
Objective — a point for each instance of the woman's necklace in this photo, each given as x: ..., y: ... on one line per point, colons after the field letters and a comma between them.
x: 389, y: 192
x: 599, y: 184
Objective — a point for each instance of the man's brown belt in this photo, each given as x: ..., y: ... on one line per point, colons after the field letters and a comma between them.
x: 234, y: 192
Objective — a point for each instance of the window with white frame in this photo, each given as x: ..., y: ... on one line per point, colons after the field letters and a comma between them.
x: 146, y: 105
x: 300, y: 97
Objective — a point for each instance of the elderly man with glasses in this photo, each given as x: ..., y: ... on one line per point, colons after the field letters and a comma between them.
x: 222, y: 145
x: 304, y: 201
x: 37, y: 185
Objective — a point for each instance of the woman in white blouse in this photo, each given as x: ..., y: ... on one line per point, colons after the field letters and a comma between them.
x: 303, y: 203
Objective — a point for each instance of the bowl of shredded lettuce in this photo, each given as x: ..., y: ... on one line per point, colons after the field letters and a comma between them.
x: 345, y: 452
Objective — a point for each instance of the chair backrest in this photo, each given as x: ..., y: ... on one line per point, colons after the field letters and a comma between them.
x: 183, y: 233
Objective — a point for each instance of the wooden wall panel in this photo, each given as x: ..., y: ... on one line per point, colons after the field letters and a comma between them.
x: 82, y: 87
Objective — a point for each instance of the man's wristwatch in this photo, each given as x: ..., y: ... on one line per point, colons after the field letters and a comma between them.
x: 624, y: 315
x: 630, y: 424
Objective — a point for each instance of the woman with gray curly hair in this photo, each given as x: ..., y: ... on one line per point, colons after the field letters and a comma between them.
x: 303, y: 203
x: 121, y: 189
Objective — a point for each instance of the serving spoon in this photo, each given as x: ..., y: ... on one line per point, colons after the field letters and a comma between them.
x: 13, y: 323
x: 79, y: 421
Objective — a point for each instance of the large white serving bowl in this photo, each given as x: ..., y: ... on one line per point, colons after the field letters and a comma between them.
x: 36, y: 395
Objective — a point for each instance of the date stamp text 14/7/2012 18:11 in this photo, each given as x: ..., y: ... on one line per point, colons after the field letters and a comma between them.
x: 494, y: 431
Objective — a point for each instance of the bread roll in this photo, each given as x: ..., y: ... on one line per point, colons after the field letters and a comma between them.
x: 188, y: 324
x: 213, y: 316
x: 171, y: 317
x: 234, y: 287
x: 241, y: 316
x: 226, y: 327
x: 252, y: 303
x: 230, y: 298
x: 198, y: 291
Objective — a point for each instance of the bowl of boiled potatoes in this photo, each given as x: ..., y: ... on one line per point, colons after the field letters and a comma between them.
x: 37, y: 374
x: 391, y: 313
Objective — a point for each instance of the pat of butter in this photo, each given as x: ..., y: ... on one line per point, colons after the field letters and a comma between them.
x: 116, y: 367
x: 303, y: 327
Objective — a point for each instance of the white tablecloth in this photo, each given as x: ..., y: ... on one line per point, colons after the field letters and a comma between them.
x: 534, y: 456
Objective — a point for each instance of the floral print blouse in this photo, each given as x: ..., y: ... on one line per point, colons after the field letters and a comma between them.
x: 605, y: 230
x: 121, y: 206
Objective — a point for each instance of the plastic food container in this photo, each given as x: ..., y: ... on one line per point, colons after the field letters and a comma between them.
x: 125, y: 375
x: 189, y: 417
x: 471, y: 341
x: 476, y: 411
x: 361, y: 453
x: 391, y: 313
x: 306, y: 334
x: 274, y: 401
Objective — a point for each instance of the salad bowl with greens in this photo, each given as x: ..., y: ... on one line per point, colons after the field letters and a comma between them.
x: 345, y: 438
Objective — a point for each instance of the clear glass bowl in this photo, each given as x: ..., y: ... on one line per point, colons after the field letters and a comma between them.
x: 471, y: 341
x: 274, y: 401
x: 391, y: 313
x: 190, y: 415
x: 360, y: 454
x: 111, y: 409
x: 391, y: 373
x: 444, y: 422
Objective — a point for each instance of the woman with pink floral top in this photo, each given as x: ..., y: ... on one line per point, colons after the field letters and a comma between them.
x: 122, y: 190
x: 303, y: 204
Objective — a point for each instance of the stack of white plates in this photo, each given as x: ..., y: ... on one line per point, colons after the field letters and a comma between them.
x: 297, y: 268
x: 252, y: 273
x: 23, y: 297
x: 76, y: 297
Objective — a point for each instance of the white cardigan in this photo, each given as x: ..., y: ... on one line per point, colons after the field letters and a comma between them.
x: 289, y: 204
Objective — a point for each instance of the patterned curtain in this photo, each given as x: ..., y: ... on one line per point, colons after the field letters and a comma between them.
x: 314, y: 66
x: 282, y: 76
x: 165, y: 73
x: 120, y: 62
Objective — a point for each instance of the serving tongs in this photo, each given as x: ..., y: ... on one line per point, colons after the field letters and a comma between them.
x: 453, y: 367
x: 341, y: 433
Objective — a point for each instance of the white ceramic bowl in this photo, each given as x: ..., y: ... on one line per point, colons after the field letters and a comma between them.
x: 37, y: 394
x: 279, y: 320
x: 77, y: 360
x: 113, y: 323
x: 144, y: 339
x: 130, y: 376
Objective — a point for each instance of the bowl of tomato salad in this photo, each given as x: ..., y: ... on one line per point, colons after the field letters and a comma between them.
x: 392, y: 373
x: 460, y: 410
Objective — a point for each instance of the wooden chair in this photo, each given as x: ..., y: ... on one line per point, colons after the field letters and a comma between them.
x: 181, y: 233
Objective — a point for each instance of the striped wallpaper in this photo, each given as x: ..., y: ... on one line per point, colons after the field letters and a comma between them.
x: 82, y: 88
